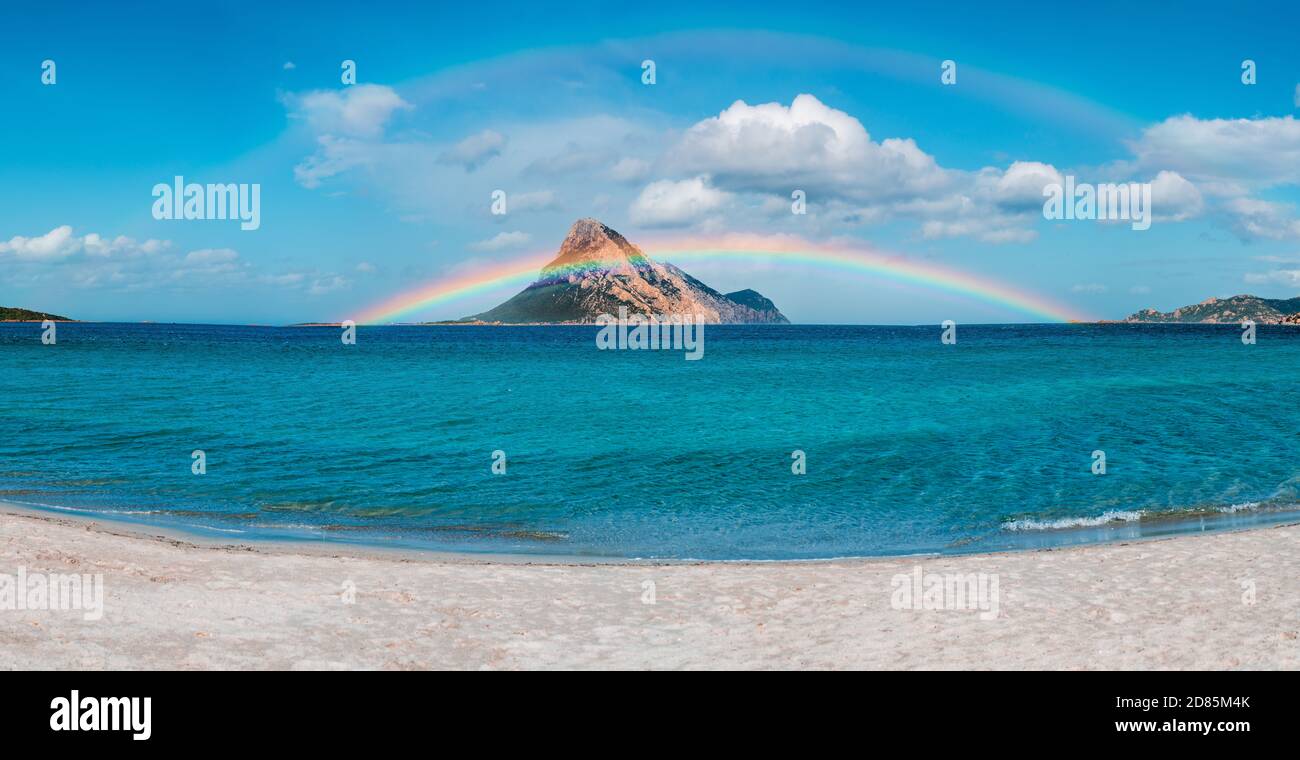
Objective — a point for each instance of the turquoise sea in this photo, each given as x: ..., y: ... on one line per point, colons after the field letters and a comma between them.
x: 911, y: 445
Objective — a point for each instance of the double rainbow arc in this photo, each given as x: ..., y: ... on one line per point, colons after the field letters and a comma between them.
x: 739, y: 248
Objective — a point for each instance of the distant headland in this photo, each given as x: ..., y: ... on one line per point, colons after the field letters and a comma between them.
x: 1264, y: 311
x: 13, y: 314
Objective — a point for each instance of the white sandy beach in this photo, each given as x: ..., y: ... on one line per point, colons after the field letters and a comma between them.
x: 170, y: 602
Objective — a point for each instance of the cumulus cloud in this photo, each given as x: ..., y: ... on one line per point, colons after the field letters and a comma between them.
x: 1219, y: 166
x: 748, y: 158
x: 807, y: 145
x: 991, y: 205
x: 1175, y: 199
x: 125, y: 264
x: 1254, y: 218
x: 1232, y: 153
x: 1020, y: 187
x: 58, y: 243
x: 361, y: 110
x: 771, y: 149
x: 995, y: 206
x: 502, y: 241
x: 95, y: 245
x: 475, y: 150
x: 668, y: 203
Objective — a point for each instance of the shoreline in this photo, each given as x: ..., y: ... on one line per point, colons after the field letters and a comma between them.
x: 1202, y: 601
x: 1152, y: 527
x: 108, y: 525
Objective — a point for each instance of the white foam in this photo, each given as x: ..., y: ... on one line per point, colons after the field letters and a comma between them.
x: 1110, y: 516
x: 1114, y: 515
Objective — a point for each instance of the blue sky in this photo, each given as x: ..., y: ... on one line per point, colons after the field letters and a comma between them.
x: 377, y: 187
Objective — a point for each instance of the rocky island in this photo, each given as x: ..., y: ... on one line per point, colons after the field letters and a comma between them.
x: 597, y: 271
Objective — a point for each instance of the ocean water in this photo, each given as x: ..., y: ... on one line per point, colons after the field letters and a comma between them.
x: 912, y: 446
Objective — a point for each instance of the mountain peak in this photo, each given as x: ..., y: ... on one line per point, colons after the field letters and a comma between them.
x: 598, y: 272
x: 588, y: 228
x: 592, y: 242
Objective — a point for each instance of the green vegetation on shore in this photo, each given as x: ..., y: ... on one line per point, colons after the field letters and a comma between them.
x: 11, y: 314
x: 1265, y: 311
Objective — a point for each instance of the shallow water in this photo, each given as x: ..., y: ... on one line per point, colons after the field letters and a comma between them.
x: 912, y: 445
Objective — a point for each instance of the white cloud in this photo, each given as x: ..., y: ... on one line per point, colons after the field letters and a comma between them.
x: 289, y: 65
x: 366, y: 267
x: 1021, y: 185
x: 747, y: 159
x: 1218, y: 165
x: 1231, y: 153
x: 121, y: 245
x: 991, y: 205
x: 328, y: 284
x: 120, y: 262
x: 995, y: 206
x: 988, y: 229
x: 807, y: 145
x: 58, y: 243
x: 1173, y: 198
x: 204, y: 266
x: 211, y: 256
x: 849, y: 178
x: 361, y: 110
x: 334, y: 156
x: 630, y: 170
x: 475, y: 150
x: 669, y: 204
x: 1091, y: 288
x: 124, y: 264
x: 1254, y: 218
x: 502, y: 241
x: 312, y: 283
x: 1287, y: 277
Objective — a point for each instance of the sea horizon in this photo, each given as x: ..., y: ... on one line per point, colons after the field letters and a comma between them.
x: 462, y: 323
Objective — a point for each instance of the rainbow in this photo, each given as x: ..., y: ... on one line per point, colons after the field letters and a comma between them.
x: 779, y: 249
